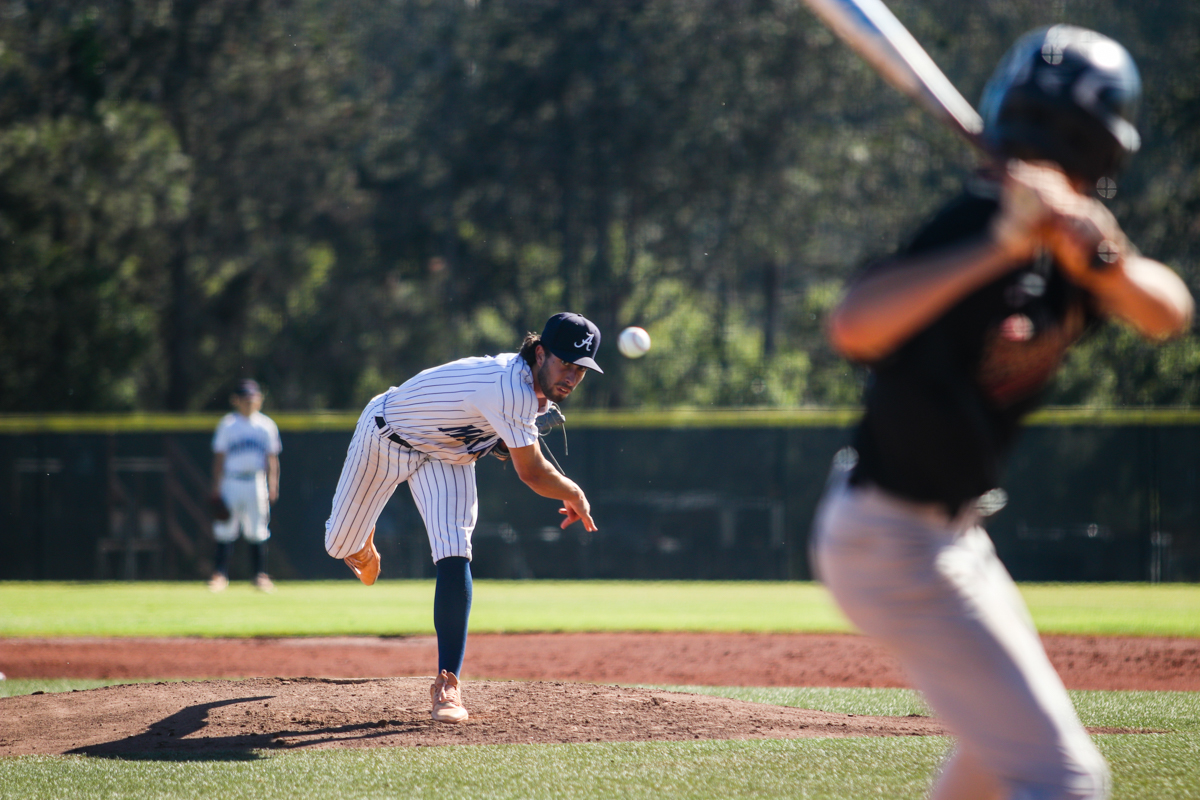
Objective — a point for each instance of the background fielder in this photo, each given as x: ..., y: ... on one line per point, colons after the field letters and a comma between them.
x: 963, y: 330
x: 245, y: 478
x: 429, y: 432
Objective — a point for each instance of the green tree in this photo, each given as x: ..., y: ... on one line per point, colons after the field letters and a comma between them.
x: 334, y: 194
x: 88, y: 186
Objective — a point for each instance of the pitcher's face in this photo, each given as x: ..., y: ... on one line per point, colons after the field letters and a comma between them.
x: 557, y: 378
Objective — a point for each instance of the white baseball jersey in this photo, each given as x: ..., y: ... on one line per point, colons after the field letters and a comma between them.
x: 456, y: 411
x: 246, y: 443
x: 429, y: 432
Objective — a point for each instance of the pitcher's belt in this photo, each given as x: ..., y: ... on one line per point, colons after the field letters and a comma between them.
x: 382, y: 424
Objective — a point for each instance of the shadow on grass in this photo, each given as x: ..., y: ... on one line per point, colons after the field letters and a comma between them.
x: 172, y: 739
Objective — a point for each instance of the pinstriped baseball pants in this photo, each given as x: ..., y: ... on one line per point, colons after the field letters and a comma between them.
x: 445, y: 494
x: 933, y: 591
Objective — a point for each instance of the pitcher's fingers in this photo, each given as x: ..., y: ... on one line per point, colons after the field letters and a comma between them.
x: 573, y: 514
x: 588, y: 524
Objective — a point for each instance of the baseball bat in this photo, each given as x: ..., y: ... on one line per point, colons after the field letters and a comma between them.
x: 872, y: 31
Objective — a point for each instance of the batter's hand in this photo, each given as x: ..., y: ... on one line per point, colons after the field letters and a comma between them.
x: 578, y: 510
x: 1042, y: 207
x: 1087, y: 241
x: 1024, y: 210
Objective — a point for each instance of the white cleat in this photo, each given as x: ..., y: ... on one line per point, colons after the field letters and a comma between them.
x: 447, y: 701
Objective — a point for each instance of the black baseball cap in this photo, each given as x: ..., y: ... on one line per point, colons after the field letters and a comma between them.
x: 246, y: 388
x: 573, y: 338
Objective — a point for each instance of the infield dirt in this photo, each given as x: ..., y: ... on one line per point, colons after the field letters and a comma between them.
x: 361, y: 692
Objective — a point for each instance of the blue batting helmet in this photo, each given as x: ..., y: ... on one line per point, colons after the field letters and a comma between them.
x: 1068, y: 95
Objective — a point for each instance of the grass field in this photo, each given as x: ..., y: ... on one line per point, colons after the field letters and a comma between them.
x: 329, y: 608
x: 1161, y: 766
x: 1155, y: 766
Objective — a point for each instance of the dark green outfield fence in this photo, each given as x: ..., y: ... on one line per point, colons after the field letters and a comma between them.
x: 1095, y: 496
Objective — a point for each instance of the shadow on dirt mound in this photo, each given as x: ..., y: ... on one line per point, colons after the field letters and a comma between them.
x: 238, y: 720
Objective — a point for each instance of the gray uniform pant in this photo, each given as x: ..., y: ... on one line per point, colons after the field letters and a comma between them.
x: 931, y: 588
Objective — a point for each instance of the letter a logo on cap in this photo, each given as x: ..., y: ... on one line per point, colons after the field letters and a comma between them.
x: 587, y: 341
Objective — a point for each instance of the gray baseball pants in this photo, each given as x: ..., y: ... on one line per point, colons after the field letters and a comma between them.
x: 931, y: 588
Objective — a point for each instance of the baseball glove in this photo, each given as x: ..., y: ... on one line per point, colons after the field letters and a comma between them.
x: 549, y: 419
x: 499, y: 450
x: 217, y: 508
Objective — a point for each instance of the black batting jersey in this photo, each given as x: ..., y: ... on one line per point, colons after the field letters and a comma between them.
x: 943, y: 410
x: 456, y: 412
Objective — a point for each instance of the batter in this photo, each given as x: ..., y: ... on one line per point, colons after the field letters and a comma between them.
x: 429, y: 432
x: 963, y: 329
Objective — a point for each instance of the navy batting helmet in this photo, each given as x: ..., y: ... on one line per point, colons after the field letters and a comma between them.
x: 1068, y: 95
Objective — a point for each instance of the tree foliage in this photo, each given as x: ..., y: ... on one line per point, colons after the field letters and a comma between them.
x: 333, y: 194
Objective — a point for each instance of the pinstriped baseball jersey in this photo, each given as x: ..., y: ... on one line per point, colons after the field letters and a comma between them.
x: 455, y: 412
x: 428, y: 432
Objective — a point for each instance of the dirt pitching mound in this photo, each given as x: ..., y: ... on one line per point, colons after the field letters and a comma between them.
x: 365, y: 697
x: 230, y: 717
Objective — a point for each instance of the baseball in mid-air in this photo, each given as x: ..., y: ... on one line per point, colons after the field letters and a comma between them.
x: 633, y: 342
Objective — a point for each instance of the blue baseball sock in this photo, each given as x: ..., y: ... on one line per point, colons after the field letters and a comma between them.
x: 451, y: 608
